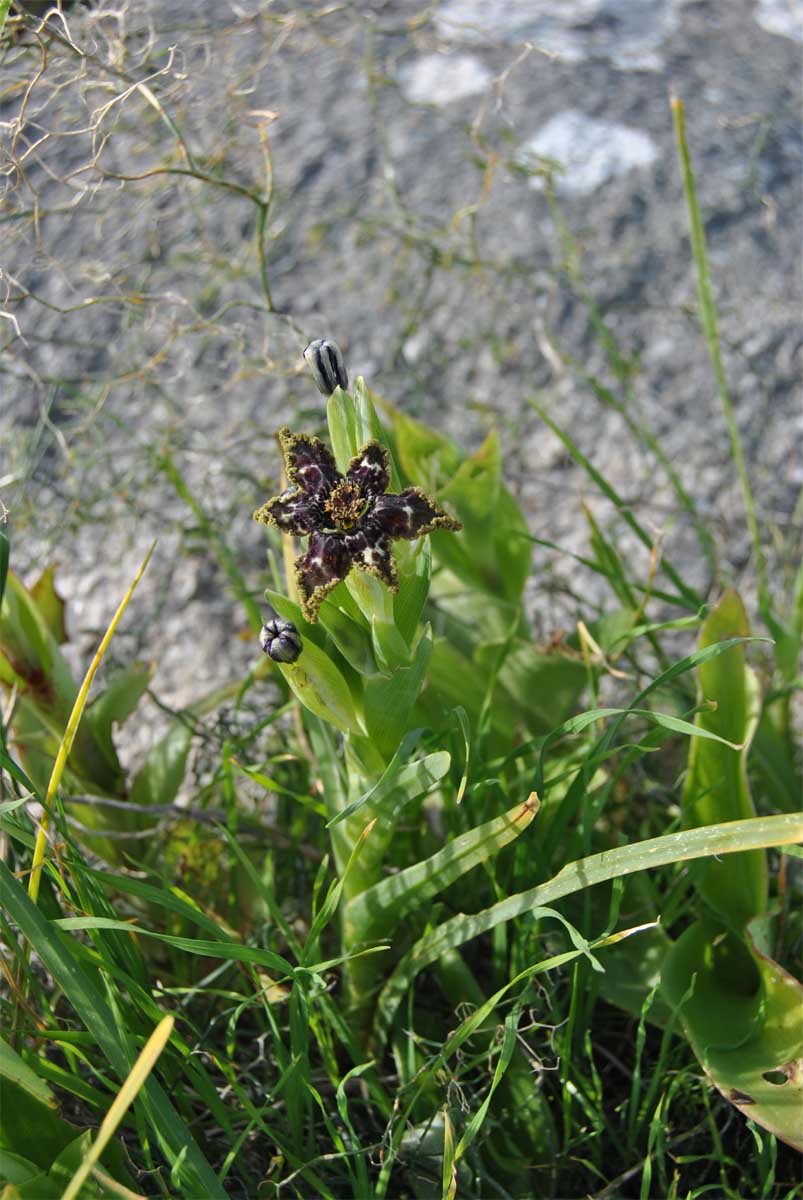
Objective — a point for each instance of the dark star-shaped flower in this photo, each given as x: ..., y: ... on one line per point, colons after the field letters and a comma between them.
x: 351, y: 519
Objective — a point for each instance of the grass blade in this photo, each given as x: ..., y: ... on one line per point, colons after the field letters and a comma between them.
x: 690, y: 597
x: 139, y: 1073
x: 754, y: 833
x: 80, y: 989
x: 70, y: 732
x: 708, y: 320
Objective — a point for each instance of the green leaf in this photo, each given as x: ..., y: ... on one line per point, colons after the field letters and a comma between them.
x: 545, y: 685
x: 775, y: 766
x: 351, y: 637
x: 14, y: 1070
x: 369, y: 427
x: 50, y: 604
x: 743, y: 1020
x: 30, y: 1128
x: 735, y: 836
x: 716, y: 781
x: 427, y: 458
x: 390, y: 648
x: 121, y: 696
x: 5, y: 545
x: 390, y: 700
x: 233, y: 951
x: 402, y: 783
x: 194, y: 1174
x: 321, y: 688
x: 414, y: 563
x: 17, y: 1170
x: 117, y: 701
x: 512, y: 546
x: 377, y: 911
x: 344, y: 435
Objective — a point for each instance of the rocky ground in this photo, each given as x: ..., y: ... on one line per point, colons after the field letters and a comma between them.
x: 406, y: 148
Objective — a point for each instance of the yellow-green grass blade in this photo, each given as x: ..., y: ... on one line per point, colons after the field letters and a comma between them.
x: 70, y: 732
x: 139, y: 1073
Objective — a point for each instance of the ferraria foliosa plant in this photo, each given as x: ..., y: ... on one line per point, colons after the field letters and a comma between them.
x: 439, y: 728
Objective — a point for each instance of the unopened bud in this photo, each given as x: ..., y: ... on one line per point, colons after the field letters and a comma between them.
x: 280, y: 640
x: 326, y: 363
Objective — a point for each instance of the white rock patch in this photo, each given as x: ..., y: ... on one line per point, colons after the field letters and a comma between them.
x: 590, y: 151
x: 627, y: 32
x: 441, y: 78
x: 784, y: 17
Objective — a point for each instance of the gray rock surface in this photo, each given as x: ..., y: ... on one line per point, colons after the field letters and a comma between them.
x: 405, y: 224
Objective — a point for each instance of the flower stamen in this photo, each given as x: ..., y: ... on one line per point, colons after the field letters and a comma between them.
x: 345, y: 505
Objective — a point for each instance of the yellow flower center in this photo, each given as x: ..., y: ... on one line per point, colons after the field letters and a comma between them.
x: 345, y: 505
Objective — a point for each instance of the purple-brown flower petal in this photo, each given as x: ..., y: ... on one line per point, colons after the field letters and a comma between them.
x: 309, y: 462
x: 374, y: 555
x: 370, y: 470
x: 294, y: 511
x: 408, y: 515
x: 325, y: 563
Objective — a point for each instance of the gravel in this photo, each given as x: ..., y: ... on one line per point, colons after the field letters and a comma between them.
x: 410, y: 220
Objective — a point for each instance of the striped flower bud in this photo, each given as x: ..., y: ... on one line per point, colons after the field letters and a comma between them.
x: 280, y: 640
x: 326, y: 363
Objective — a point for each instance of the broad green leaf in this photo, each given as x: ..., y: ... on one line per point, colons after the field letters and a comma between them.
x: 512, y: 545
x: 194, y: 1174
x: 455, y: 681
x: 377, y: 911
x: 31, y: 1128
x: 344, y: 434
x: 473, y: 490
x: 24, y: 636
x: 574, y: 795
x: 351, y: 638
x: 30, y: 657
x: 347, y: 629
x: 120, y: 697
x: 732, y: 837
x: 18, y: 1170
x: 771, y: 757
x: 427, y: 458
x: 390, y: 648
x: 64, y: 1167
x: 321, y: 688
x: 414, y: 563
x: 744, y: 1020
x: 49, y: 603
x: 545, y: 685
x: 14, y: 1070
x: 369, y: 427
x: 398, y: 780
x: 716, y: 781
x: 390, y: 700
